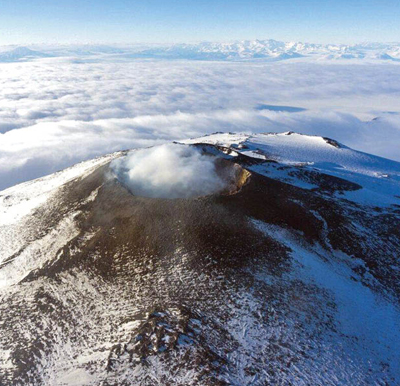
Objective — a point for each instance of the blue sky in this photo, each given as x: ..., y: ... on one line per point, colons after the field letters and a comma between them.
x: 124, y: 21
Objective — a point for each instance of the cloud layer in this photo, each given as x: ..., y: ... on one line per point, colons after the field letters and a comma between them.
x: 55, y: 112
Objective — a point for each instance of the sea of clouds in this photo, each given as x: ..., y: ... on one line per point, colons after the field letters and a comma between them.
x: 58, y: 111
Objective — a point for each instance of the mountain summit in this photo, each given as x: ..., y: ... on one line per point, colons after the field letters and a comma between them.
x: 285, y: 270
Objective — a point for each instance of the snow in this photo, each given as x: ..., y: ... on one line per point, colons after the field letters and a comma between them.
x: 5, y: 359
x: 220, y: 139
x: 366, y: 325
x: 256, y: 50
x: 20, y: 200
x: 379, y: 177
x: 16, y: 206
x: 363, y: 315
x: 75, y: 378
x: 36, y: 254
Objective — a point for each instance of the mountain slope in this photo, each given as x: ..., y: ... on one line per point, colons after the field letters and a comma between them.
x: 292, y: 277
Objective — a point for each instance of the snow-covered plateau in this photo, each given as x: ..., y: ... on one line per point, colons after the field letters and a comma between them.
x: 289, y: 274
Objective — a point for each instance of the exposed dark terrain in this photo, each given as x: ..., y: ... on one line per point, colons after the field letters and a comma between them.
x: 261, y: 284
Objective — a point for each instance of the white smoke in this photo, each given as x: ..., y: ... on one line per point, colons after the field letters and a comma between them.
x: 168, y: 171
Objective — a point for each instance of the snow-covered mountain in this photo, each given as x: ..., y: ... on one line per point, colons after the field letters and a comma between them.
x: 261, y: 50
x: 276, y: 50
x: 21, y: 54
x: 289, y: 275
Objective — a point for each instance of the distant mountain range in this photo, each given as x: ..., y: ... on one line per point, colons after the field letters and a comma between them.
x: 260, y: 50
x: 21, y: 54
x: 275, y: 50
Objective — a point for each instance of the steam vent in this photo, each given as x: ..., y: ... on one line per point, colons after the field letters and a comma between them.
x: 178, y: 171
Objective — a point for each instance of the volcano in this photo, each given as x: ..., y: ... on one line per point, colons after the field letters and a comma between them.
x: 287, y: 274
